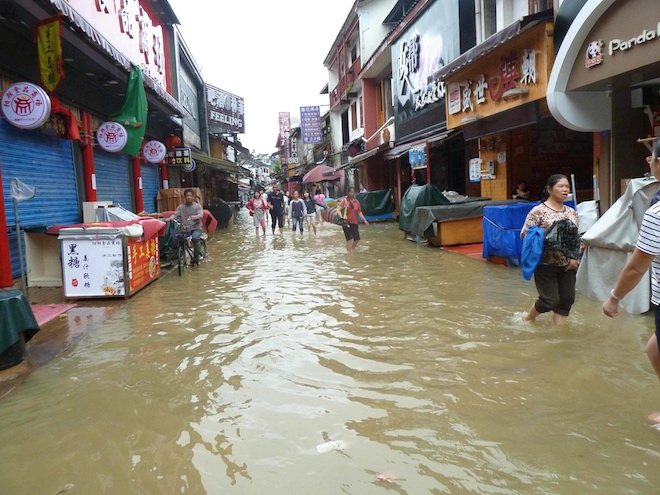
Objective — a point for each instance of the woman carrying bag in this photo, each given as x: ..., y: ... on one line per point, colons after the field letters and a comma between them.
x: 555, y: 276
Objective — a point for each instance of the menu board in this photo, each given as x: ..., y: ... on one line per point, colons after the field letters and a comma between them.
x: 93, y: 268
x: 143, y: 262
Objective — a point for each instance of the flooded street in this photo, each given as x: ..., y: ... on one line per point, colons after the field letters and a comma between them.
x: 287, y: 366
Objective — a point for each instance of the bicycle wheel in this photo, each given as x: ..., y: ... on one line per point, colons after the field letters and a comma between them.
x: 181, y: 258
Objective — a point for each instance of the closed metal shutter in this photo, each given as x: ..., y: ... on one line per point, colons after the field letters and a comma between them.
x: 150, y: 185
x: 43, y: 162
x: 113, y: 180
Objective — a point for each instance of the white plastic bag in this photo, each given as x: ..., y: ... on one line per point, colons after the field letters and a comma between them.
x: 587, y: 215
x: 20, y: 191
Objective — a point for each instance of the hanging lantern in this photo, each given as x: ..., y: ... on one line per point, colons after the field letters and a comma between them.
x: 172, y: 141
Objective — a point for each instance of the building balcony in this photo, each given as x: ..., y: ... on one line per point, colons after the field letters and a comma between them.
x: 342, y: 92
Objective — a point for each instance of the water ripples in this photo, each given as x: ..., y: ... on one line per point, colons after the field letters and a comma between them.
x: 286, y: 365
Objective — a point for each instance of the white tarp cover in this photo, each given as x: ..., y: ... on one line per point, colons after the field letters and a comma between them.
x: 611, y: 241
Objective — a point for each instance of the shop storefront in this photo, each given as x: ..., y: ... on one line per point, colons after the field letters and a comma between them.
x: 496, y: 96
x: 113, y: 178
x: 45, y: 162
x: 96, y: 53
x: 606, y: 79
x: 419, y: 101
x: 150, y: 185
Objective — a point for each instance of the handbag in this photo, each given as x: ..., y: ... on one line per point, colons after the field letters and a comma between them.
x: 343, y: 220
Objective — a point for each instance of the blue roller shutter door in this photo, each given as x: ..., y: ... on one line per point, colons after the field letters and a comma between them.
x: 43, y: 162
x: 150, y: 186
x: 113, y: 180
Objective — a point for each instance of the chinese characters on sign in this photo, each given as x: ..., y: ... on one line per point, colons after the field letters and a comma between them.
x: 26, y: 105
x: 181, y: 157
x: 154, y: 151
x: 93, y: 267
x: 143, y: 261
x: 310, y: 125
x: 111, y: 136
x: 131, y: 26
x: 513, y: 71
x: 288, y: 146
x: 49, y: 46
x: 226, y: 112
x: 408, y: 64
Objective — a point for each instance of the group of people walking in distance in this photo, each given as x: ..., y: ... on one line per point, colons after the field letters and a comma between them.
x: 555, y: 274
x: 304, y: 211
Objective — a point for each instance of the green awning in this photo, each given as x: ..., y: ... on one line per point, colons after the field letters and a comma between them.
x: 218, y: 163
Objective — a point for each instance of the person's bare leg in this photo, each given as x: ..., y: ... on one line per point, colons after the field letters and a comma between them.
x: 355, y: 243
x: 559, y: 320
x: 256, y: 229
x: 531, y: 314
x: 653, y: 353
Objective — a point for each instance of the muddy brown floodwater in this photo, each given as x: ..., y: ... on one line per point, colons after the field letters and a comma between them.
x: 285, y: 366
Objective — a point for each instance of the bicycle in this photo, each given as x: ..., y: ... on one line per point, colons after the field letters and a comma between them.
x: 185, y: 249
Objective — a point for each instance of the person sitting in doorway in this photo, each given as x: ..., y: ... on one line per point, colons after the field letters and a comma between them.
x: 521, y: 191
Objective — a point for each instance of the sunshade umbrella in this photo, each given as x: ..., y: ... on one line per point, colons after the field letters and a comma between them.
x: 322, y: 173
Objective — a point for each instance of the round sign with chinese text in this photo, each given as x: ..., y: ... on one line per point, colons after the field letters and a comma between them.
x: 26, y: 105
x: 154, y: 151
x: 189, y: 167
x: 111, y: 136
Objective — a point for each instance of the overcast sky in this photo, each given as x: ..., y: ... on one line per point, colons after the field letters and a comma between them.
x: 270, y: 53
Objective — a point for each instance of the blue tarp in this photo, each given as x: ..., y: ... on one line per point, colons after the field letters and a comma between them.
x: 502, y: 226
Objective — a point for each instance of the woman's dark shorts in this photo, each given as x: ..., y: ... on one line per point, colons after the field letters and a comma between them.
x: 351, y: 232
x: 656, y: 313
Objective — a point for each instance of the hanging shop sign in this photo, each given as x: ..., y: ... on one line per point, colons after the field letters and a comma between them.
x: 180, y: 157
x: 26, y: 105
x: 111, y: 136
x: 417, y: 57
x: 49, y: 48
x: 624, y: 38
x: 514, y: 74
x: 189, y: 167
x: 310, y: 125
x: 417, y: 157
x: 154, y: 151
x: 226, y: 112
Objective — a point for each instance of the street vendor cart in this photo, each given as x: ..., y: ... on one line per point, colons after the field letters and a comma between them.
x: 109, y: 259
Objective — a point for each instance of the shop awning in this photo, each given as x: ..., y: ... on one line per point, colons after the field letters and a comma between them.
x: 402, y: 149
x: 362, y: 156
x: 237, y: 146
x: 218, y: 163
x: 493, y: 42
x: 322, y: 173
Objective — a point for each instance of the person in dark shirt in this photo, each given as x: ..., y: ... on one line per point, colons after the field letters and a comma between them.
x: 521, y: 191
x: 297, y: 212
x: 276, y: 205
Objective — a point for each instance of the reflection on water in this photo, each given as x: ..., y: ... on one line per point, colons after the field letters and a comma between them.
x: 287, y: 366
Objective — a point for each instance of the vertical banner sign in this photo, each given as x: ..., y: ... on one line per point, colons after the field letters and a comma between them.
x: 49, y: 47
x: 285, y: 136
x: 310, y: 125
